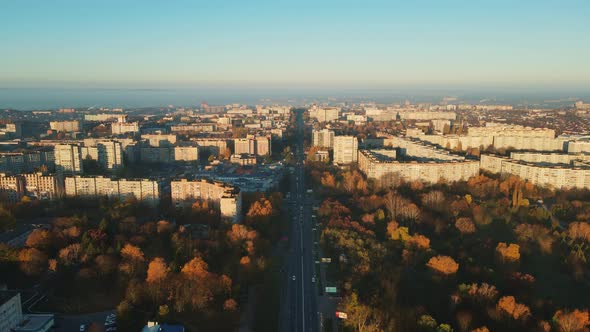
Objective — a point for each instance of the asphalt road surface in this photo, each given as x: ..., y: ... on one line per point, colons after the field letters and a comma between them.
x: 301, y: 279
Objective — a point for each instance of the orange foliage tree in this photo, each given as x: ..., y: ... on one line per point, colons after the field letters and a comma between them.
x: 443, y: 264
x: 260, y: 208
x: 508, y: 306
x: 157, y: 270
x: 572, y: 321
x: 465, y: 225
x: 195, y: 269
x: 508, y: 252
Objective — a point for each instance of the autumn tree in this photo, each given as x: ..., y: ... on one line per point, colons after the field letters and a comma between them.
x: 508, y: 252
x: 132, y: 259
x: 434, y: 199
x: 443, y: 264
x: 195, y: 269
x: 230, y: 305
x: 465, y: 225
x: 361, y: 317
x: 32, y: 261
x: 572, y: 321
x: 579, y: 231
x: 157, y: 270
x: 71, y: 254
x: 508, y: 306
x: 260, y: 208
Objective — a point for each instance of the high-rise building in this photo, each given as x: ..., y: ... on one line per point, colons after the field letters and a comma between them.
x: 263, y: 145
x: 186, y: 153
x: 324, y: 114
x: 345, y: 149
x: 43, y: 186
x: 109, y: 154
x: 227, y: 197
x: 323, y: 138
x: 68, y: 159
x: 65, y: 126
x: 95, y: 186
x: 12, y: 188
x: 118, y: 128
x: 259, y: 145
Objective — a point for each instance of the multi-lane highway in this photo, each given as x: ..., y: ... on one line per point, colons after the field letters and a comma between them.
x: 301, y: 280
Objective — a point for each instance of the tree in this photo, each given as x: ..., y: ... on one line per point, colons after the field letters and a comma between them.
x: 443, y: 264
x: 70, y: 255
x: 434, y: 199
x: 260, y: 208
x: 230, y: 305
x: 195, y: 269
x: 572, y: 321
x: 508, y: 306
x: 508, y: 253
x: 157, y: 271
x: 360, y: 317
x: 465, y: 225
x: 7, y: 220
x: 133, y: 259
x: 40, y: 239
x: 32, y: 261
x: 427, y: 323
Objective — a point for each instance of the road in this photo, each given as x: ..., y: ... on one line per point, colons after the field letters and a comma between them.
x: 301, y: 299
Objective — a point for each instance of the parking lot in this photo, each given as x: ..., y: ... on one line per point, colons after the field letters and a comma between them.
x: 71, y: 323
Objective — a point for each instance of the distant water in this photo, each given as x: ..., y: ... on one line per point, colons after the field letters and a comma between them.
x: 53, y: 98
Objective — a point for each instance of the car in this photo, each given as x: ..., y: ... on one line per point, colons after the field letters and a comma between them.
x: 83, y: 327
x: 293, y: 278
x: 312, y: 279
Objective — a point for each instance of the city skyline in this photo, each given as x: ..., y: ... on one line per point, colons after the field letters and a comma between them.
x: 332, y: 44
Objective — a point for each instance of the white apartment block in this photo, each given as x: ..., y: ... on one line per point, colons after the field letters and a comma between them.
x: 106, y: 117
x: 43, y: 186
x: 259, y: 145
x: 68, y: 159
x: 345, y: 149
x: 410, y: 114
x: 11, y: 313
x: 160, y: 139
x: 227, y: 197
x: 109, y: 154
x: 382, y: 166
x: 323, y: 138
x: 495, y: 129
x: 324, y: 114
x: 12, y: 188
x: 194, y: 128
x: 118, y: 128
x: 213, y: 145
x: 552, y: 176
x: 65, y: 126
x: 96, y: 186
x: 186, y: 153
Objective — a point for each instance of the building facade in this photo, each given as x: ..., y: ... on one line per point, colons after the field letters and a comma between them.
x: 227, y: 197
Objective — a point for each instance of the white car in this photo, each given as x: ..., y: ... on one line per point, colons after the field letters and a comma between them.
x: 312, y: 279
x: 293, y: 278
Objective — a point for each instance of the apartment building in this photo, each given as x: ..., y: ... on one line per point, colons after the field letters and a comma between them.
x: 96, y: 186
x: 323, y: 138
x: 150, y: 154
x: 106, y: 117
x: 158, y: 140
x: 243, y: 159
x: 118, y: 128
x: 186, y: 153
x: 499, y: 129
x: 345, y: 149
x: 227, y: 197
x: 259, y: 145
x: 24, y: 162
x: 553, y: 176
x: 65, y: 126
x: 68, y: 159
x: 324, y: 114
x: 43, y: 186
x: 12, y: 188
x: 382, y: 166
x: 109, y: 154
x: 412, y: 114
x: 194, y: 128
x: 213, y: 145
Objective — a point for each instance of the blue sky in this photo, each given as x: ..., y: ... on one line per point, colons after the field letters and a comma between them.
x: 324, y: 43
